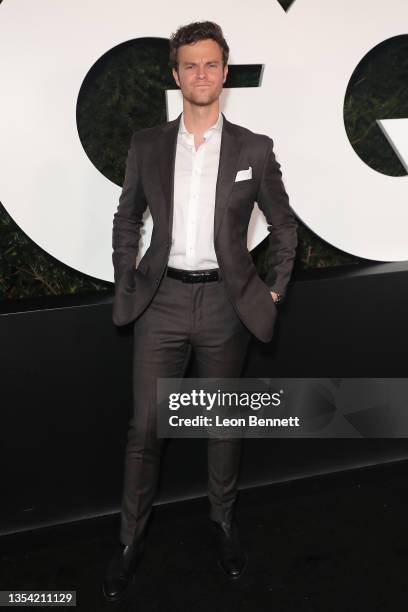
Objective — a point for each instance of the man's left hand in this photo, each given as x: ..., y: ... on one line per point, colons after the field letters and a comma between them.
x: 275, y: 296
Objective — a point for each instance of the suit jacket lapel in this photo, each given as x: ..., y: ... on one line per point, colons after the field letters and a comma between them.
x: 167, y: 160
x: 231, y: 147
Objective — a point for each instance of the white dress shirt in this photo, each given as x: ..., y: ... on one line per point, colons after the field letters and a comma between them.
x: 195, y: 179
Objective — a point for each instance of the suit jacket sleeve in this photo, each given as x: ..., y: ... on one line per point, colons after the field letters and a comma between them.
x: 282, y: 226
x: 128, y: 219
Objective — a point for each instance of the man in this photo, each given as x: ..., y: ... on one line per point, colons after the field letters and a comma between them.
x: 196, y: 286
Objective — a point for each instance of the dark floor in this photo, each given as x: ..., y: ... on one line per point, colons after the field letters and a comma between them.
x: 328, y: 543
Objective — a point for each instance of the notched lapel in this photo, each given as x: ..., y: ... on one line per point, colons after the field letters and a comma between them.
x: 167, y: 159
x: 231, y: 147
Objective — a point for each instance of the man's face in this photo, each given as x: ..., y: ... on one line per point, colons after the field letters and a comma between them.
x: 201, y: 74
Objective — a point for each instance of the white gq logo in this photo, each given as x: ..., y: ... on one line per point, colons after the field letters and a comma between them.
x: 66, y: 206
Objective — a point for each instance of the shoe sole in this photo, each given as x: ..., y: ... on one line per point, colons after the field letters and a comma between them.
x: 233, y: 578
x: 122, y: 594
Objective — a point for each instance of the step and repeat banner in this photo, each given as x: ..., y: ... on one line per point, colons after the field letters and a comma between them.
x: 308, y: 55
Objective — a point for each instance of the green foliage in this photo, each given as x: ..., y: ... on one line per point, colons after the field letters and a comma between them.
x: 378, y: 89
x: 122, y: 93
x: 28, y: 271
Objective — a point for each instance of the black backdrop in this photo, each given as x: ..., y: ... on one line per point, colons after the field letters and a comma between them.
x: 66, y: 389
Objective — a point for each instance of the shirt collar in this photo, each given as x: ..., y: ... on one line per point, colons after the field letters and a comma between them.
x: 217, y: 127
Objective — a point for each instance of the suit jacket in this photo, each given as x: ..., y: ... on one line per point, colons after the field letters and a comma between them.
x: 149, y: 181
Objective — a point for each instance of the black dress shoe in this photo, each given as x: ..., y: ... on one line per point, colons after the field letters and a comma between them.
x: 120, y: 572
x: 233, y: 560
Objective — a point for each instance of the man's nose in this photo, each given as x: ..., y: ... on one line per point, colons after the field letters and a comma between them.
x: 201, y: 72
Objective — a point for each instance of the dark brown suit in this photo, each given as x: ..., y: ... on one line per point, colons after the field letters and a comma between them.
x: 149, y: 182
x: 214, y: 319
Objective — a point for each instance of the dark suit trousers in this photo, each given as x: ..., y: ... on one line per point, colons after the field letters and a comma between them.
x: 181, y: 317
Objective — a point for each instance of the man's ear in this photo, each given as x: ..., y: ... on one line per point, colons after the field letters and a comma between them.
x: 225, y: 72
x: 175, y: 76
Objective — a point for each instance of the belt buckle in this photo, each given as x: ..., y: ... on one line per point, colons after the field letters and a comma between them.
x: 197, y: 277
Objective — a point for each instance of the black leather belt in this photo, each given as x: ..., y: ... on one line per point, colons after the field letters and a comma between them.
x: 194, y: 276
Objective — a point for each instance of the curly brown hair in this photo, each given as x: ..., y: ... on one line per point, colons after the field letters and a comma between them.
x: 192, y: 32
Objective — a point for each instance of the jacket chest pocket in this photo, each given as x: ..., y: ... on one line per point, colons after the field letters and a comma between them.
x: 244, y: 189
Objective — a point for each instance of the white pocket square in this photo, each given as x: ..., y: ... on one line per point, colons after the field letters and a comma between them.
x: 244, y: 175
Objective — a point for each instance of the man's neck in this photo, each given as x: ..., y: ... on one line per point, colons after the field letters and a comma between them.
x: 198, y: 119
